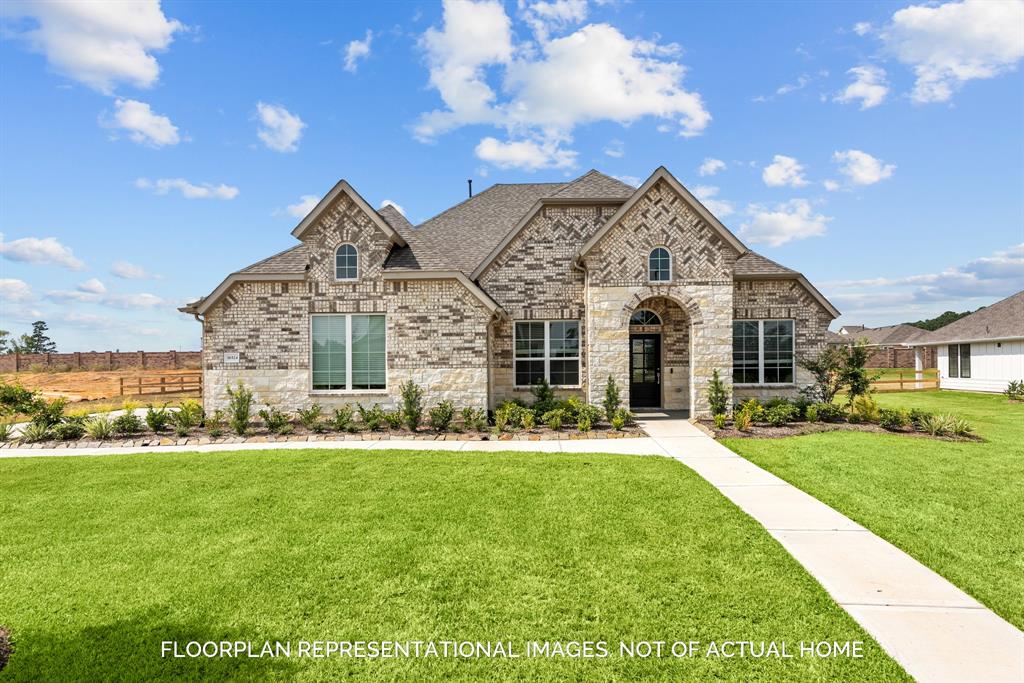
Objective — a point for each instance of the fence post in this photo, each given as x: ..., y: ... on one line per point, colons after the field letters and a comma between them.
x: 174, y: 359
x: 110, y: 361
x: 141, y: 355
x: 17, y: 361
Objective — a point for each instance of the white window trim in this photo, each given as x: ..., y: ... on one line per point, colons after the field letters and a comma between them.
x: 345, y: 279
x: 671, y: 265
x: 760, y: 354
x: 547, y: 352
x: 348, y: 390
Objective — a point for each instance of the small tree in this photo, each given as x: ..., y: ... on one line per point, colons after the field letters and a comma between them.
x: 39, y: 341
x: 240, y: 402
x: 543, y: 397
x: 412, y: 404
x: 612, y: 402
x: 827, y: 370
x: 854, y: 375
x: 718, y: 394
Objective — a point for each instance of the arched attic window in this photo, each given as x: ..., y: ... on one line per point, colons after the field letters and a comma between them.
x: 346, y: 263
x: 644, y: 317
x: 659, y: 265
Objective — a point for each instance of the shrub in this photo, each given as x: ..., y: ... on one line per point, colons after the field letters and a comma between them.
x: 554, y: 419
x: 35, y: 431
x: 1015, y: 390
x: 811, y: 413
x: 801, y: 403
x: 474, y: 418
x: 572, y: 407
x: 48, y: 414
x: 99, y: 428
x: 720, y: 421
x: 960, y: 426
x: 753, y: 408
x: 68, y: 431
x: 826, y: 368
x: 741, y: 420
x: 157, y: 418
x: 15, y: 398
x: 937, y: 425
x: 412, y: 404
x: 864, y: 409
x: 529, y: 420
x: 441, y: 415
x: 510, y: 415
x: 215, y: 423
x: 893, y: 419
x: 918, y: 418
x: 127, y: 423
x: 310, y: 417
x: 240, y: 402
x: 274, y: 420
x: 394, y: 419
x: 341, y: 420
x: 620, y: 419
x: 587, y: 416
x: 6, y: 431
x: 543, y: 397
x: 188, y: 415
x: 718, y: 395
x: 780, y: 414
x: 854, y: 375
x: 372, y: 417
x: 612, y: 402
x: 829, y: 412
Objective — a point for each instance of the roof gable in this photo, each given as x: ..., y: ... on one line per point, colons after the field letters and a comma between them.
x: 1002, y: 320
x: 594, y: 184
x: 341, y: 187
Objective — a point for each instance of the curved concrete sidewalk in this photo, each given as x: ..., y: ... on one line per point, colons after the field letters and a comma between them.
x: 932, y: 628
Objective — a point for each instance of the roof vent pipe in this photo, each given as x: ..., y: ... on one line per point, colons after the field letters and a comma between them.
x: 470, y: 181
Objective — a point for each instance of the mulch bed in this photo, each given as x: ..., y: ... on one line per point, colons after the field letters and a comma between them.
x: 763, y: 431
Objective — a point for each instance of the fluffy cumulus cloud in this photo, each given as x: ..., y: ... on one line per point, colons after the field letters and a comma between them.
x: 398, y: 207
x: 708, y: 196
x: 187, y: 189
x: 357, y: 50
x: 784, y: 171
x: 711, y: 166
x: 947, y: 45
x: 831, y: 185
x: 550, y: 87
x: 141, y: 301
x: 130, y: 271
x: 862, y: 28
x: 100, y: 43
x: 301, y: 208
x: 279, y: 129
x: 861, y: 168
x: 869, y: 87
x: 12, y: 289
x: 92, y: 286
x: 42, y: 251
x: 774, y: 226
x: 142, y: 124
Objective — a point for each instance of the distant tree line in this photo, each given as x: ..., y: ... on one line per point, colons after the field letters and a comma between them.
x: 946, y: 318
x: 36, y: 342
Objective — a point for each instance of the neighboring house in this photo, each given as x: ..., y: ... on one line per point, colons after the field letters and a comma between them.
x: 888, y: 344
x: 982, y: 351
x: 573, y: 282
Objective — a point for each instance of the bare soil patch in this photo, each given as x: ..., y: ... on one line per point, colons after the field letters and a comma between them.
x: 87, y: 385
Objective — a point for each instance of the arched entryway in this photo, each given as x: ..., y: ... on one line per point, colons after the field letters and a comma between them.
x: 659, y: 355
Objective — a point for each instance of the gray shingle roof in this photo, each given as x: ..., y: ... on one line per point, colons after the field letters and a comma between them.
x: 595, y: 184
x: 291, y: 260
x: 890, y: 335
x: 753, y: 264
x: 1002, y: 320
x: 398, y: 222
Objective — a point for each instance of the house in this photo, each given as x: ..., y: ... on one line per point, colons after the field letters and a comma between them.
x: 983, y: 351
x: 574, y: 282
x: 888, y: 344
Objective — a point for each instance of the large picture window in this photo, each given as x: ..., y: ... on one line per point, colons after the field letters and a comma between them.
x: 959, y: 360
x: 547, y: 349
x: 349, y: 352
x: 762, y: 352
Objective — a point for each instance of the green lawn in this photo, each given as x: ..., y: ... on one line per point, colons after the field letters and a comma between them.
x: 956, y: 507
x: 103, y: 558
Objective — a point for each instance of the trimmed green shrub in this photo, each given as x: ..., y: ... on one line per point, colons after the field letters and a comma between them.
x: 718, y: 395
x: 960, y: 426
x: 240, y: 402
x: 720, y: 421
x: 127, y: 423
x: 554, y: 419
x: 1014, y: 390
x: 36, y: 431
x: 341, y: 419
x: 49, y: 414
x: 157, y: 418
x: 15, y: 398
x: 543, y: 397
x: 612, y: 401
x: 753, y: 408
x: 529, y: 419
x: 864, y: 408
x: 99, y: 428
x: 780, y: 414
x: 811, y: 413
x: 274, y: 420
x: 6, y: 431
x: 412, y: 404
x: 741, y: 420
x: 893, y: 419
x: 310, y: 417
x: 830, y: 412
x: 918, y: 418
x: 215, y: 424
x: 937, y: 425
x: 394, y: 419
x: 587, y: 417
x: 68, y: 431
x: 441, y: 415
x: 474, y: 419
x: 188, y: 415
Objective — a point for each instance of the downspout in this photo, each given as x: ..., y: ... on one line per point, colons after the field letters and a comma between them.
x: 577, y: 264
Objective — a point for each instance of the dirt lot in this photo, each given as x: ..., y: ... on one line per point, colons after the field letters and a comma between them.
x: 85, y: 386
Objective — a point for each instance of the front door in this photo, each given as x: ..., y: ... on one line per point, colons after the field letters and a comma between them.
x: 645, y: 370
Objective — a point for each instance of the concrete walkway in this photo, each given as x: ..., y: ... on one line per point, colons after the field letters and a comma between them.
x: 932, y: 628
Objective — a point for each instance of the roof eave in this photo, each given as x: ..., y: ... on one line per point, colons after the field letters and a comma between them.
x: 965, y: 340
x: 340, y: 187
x: 205, y: 304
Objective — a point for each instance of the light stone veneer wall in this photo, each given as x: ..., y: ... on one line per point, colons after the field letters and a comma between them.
x: 675, y: 350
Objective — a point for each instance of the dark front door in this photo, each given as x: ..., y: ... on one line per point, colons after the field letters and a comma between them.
x: 645, y: 370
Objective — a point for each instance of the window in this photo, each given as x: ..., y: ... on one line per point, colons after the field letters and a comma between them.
x: 547, y: 349
x: 346, y: 263
x: 959, y: 360
x: 659, y: 265
x: 762, y: 352
x: 349, y: 352
x: 644, y: 317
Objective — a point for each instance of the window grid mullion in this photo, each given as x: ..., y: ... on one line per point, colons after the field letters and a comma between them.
x: 348, y: 353
x: 760, y: 352
x: 547, y: 350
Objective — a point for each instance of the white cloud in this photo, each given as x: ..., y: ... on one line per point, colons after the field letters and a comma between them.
x: 594, y: 74
x: 398, y: 207
x: 862, y: 28
x: 144, y: 126
x: 140, y: 301
x: 45, y: 251
x: 280, y: 130
x: 356, y: 50
x: 100, y: 44
x: 301, y: 209
x: 784, y: 171
x: 861, y: 168
x: 869, y: 86
x: 629, y: 179
x: 130, y: 271
x: 187, y: 189
x: 93, y: 286
x: 801, y: 83
x: 616, y: 149
x: 948, y: 45
x: 707, y: 194
x: 831, y: 185
x: 545, y: 17
x: 527, y: 155
x: 64, y: 296
x: 792, y: 220
x: 12, y: 289
x: 711, y: 166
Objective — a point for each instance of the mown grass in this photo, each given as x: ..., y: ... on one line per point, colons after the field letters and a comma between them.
x: 958, y: 507
x: 104, y: 558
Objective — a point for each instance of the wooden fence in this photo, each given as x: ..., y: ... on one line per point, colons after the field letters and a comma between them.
x: 157, y: 385
x: 908, y: 380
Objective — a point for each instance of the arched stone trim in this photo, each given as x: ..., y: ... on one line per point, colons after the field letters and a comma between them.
x: 682, y: 300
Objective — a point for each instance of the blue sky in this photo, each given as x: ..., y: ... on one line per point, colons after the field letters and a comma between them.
x: 149, y: 150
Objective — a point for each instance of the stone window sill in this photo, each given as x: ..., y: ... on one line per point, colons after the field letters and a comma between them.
x: 347, y: 392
